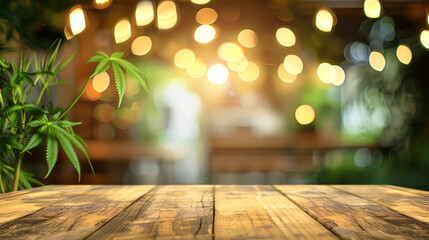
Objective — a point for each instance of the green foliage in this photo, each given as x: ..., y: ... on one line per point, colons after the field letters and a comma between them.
x: 26, y: 124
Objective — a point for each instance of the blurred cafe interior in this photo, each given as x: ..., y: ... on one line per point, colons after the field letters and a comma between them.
x: 240, y: 91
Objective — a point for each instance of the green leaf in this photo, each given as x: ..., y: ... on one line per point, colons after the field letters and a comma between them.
x: 54, y: 54
x: 102, y: 53
x: 87, y: 150
x: 68, y: 149
x: 36, y: 123
x: 96, y: 58
x: 51, y: 152
x: 27, y: 78
x: 33, y: 108
x: 4, y: 63
x: 101, y: 67
x: 117, y: 55
x: 65, y: 123
x: 13, y: 108
x: 134, y: 71
x: 119, y: 81
x: 59, y: 83
x: 35, y: 140
x: 71, y: 138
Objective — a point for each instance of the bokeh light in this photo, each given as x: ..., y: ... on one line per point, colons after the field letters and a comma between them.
x: 377, y: 61
x: 166, y: 15
x: 372, y: 8
x: 323, y: 72
x: 293, y: 64
x: 284, y: 75
x: 100, y: 4
x: 197, y: 69
x: 144, y: 13
x: 204, y: 34
x: 103, y: 112
x: 230, y: 52
x: 305, y: 114
x: 122, y: 30
x: 404, y: 54
x: 336, y: 75
x: 239, y: 65
x: 285, y: 37
x: 250, y: 73
x: 424, y: 38
x: 184, y: 58
x: 217, y: 74
x: 141, y: 45
x: 101, y: 82
x: 324, y: 20
x: 247, y: 38
x: 77, y: 19
x: 206, y: 16
x: 67, y: 33
x: 200, y: 2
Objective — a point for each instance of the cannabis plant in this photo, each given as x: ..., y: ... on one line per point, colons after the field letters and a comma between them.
x: 26, y: 124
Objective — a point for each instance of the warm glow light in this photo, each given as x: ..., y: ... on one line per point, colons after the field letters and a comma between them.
x: 206, y: 16
x: 122, y: 30
x: 250, y: 73
x: 184, y: 58
x: 293, y: 64
x: 428, y: 18
x: 198, y: 69
x: 377, y: 61
x: 285, y: 37
x: 284, y: 75
x: 141, y: 45
x: 144, y: 13
x: 101, y: 82
x: 204, y: 34
x: 77, y: 19
x: 67, y: 33
x: 217, y: 74
x: 372, y: 8
x: 305, y: 114
x: 200, y: 2
x: 324, y: 20
x: 100, y: 4
x: 404, y: 54
x: 424, y: 38
x: 247, y: 38
x: 322, y: 72
x: 103, y: 112
x: 230, y: 52
x: 239, y: 65
x: 336, y: 75
x: 167, y: 15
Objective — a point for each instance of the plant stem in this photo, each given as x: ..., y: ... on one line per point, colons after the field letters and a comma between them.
x: 17, y: 171
x: 74, y: 101
x: 41, y: 94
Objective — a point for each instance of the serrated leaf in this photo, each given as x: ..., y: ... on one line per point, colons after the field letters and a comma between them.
x: 36, y: 123
x: 35, y: 140
x: 65, y: 123
x: 119, y: 81
x: 87, y: 150
x: 96, y: 58
x: 72, y: 139
x: 51, y: 152
x: 117, y: 55
x: 101, y: 67
x: 13, y: 108
x: 102, y: 53
x: 134, y: 71
x: 32, y: 108
x: 68, y: 149
x: 59, y: 83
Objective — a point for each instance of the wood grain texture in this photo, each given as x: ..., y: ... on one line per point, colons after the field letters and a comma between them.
x: 68, y: 215
x: 405, y: 202
x: 168, y: 212
x: 261, y: 212
x: 352, y: 217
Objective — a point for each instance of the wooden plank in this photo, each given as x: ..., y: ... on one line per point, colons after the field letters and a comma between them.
x: 415, y: 191
x: 71, y: 217
x: 168, y: 212
x: 407, y: 203
x: 18, y: 204
x: 261, y: 212
x: 352, y: 217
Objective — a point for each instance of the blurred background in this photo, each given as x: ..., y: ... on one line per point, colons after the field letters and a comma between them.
x: 240, y: 91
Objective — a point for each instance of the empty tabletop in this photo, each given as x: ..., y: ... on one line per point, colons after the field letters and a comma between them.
x: 215, y: 212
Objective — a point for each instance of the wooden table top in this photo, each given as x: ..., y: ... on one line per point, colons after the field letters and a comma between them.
x: 215, y: 212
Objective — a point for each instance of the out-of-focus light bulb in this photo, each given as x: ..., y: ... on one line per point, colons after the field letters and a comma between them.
x: 100, y: 4
x: 305, y: 114
x: 404, y: 54
x: 184, y: 58
x: 204, y: 34
x: 200, y: 2
x: 285, y: 37
x: 424, y: 38
x: 293, y: 64
x: 247, y: 38
x: 230, y: 52
x: 250, y: 73
x: 197, y: 69
x: 167, y: 15
x: 336, y: 75
x: 144, y: 13
x: 377, y: 61
x: 206, y: 16
x: 238, y: 66
x: 218, y: 74
x: 322, y: 72
x: 372, y: 8
x: 77, y: 19
x: 141, y: 45
x: 324, y: 20
x: 122, y: 30
x: 284, y: 75
x: 101, y: 82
